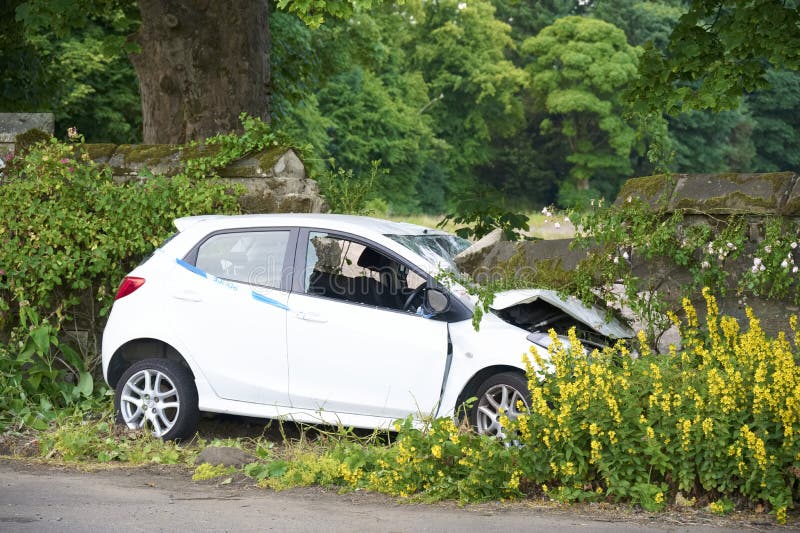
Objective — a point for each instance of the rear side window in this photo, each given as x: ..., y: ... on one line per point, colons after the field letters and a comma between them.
x: 252, y: 257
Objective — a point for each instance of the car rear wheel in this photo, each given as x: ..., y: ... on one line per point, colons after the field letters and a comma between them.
x: 158, y: 395
x: 499, y: 395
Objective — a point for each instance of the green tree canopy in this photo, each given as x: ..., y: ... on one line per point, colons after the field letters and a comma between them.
x: 719, y: 50
x: 578, y: 67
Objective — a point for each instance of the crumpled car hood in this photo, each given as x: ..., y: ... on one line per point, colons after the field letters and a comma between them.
x: 594, y: 316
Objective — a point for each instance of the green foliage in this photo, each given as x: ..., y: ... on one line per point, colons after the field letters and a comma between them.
x: 371, y: 121
x: 76, y: 67
x: 207, y: 471
x: 313, y: 12
x: 642, y: 21
x: 582, y: 94
x: 69, y: 233
x: 718, y: 50
x: 41, y: 377
x: 776, y: 116
x: 461, y: 51
x: 347, y: 193
x: 76, y: 439
x: 484, y: 212
x: 725, y: 137
x: 716, y: 417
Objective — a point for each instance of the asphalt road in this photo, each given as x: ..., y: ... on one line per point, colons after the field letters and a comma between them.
x: 37, y: 497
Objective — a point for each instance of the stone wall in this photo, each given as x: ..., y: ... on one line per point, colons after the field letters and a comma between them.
x: 706, y: 198
x: 12, y: 124
x: 275, y: 179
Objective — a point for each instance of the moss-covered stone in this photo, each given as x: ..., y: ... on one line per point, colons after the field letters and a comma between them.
x: 269, y: 157
x: 147, y: 154
x: 655, y: 190
x: 718, y: 194
x: 26, y: 140
x: 200, y: 150
x: 100, y: 152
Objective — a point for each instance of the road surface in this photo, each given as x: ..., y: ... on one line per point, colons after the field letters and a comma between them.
x: 36, y: 497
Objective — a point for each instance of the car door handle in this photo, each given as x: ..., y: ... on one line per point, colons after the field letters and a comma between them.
x: 311, y: 317
x: 188, y: 296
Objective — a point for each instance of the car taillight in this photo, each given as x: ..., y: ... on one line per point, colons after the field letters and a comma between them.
x: 128, y: 285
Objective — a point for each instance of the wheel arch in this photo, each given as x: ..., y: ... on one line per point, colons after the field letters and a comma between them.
x: 139, y: 350
x: 475, y: 381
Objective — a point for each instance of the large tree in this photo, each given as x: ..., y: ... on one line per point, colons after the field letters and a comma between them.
x: 200, y: 63
x: 578, y: 67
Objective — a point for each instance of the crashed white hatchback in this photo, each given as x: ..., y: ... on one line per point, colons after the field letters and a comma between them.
x: 319, y: 318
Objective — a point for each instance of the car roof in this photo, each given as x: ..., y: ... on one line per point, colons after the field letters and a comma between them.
x: 352, y: 223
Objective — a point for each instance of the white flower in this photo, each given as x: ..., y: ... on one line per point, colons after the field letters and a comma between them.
x: 629, y: 199
x: 768, y: 249
x: 592, y: 202
x: 784, y: 264
x: 625, y: 255
x: 757, y: 261
x: 794, y: 270
x: 705, y: 264
x: 557, y: 225
x: 711, y: 248
x: 566, y: 219
x: 609, y: 303
x: 762, y: 268
x: 616, y: 260
x: 754, y: 269
x: 731, y: 246
x: 793, y: 245
x: 462, y: 5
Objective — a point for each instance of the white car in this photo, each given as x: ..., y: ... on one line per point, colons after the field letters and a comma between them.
x: 329, y: 319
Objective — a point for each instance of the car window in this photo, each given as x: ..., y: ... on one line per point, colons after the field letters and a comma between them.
x: 252, y: 257
x: 337, y: 267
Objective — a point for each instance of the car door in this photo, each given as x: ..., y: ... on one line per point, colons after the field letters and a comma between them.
x: 229, y: 305
x: 352, y: 349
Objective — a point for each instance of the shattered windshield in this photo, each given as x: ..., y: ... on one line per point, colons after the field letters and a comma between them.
x: 439, y: 249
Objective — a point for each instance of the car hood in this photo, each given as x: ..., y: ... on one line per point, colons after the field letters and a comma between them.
x: 593, y: 316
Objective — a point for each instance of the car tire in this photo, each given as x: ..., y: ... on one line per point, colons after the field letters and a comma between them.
x: 500, y: 391
x: 159, y: 395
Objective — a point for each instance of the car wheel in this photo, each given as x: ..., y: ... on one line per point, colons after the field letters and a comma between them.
x: 499, y: 395
x: 158, y: 395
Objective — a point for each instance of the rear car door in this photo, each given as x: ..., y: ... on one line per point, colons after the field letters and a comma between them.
x: 229, y: 297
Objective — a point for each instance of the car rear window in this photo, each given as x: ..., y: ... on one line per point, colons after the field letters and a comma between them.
x: 252, y: 257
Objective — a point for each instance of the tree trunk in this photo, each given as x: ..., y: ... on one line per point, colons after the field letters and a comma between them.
x: 202, y: 63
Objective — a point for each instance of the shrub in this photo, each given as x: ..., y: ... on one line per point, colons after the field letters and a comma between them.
x: 719, y: 417
x: 70, y: 233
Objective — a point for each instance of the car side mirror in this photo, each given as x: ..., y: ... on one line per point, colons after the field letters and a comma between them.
x: 437, y: 301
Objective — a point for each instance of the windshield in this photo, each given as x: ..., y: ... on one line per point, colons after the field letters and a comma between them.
x: 439, y: 249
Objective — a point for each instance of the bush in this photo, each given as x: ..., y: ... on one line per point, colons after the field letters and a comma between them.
x: 70, y: 233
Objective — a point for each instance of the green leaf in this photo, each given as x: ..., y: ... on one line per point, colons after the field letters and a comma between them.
x: 85, y: 385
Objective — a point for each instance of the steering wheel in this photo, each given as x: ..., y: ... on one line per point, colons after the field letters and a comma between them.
x: 411, y: 297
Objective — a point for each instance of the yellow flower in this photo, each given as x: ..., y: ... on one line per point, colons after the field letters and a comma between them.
x: 436, y: 451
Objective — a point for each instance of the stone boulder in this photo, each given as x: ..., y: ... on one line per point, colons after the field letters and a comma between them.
x: 225, y: 456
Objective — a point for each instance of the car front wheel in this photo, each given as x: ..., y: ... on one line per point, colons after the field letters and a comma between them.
x: 158, y: 395
x: 502, y: 394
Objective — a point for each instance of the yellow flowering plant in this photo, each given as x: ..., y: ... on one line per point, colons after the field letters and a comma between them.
x: 720, y: 415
